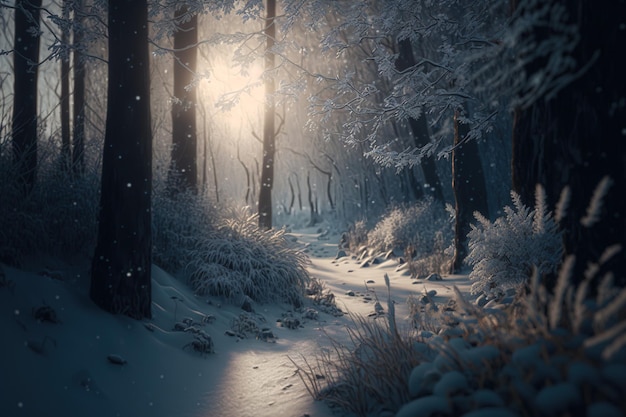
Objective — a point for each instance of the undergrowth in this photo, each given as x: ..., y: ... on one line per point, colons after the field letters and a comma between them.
x: 416, y: 226
x: 552, y: 353
x: 419, y: 234
x: 503, y: 254
x: 518, y: 353
x: 226, y: 254
x: 57, y: 217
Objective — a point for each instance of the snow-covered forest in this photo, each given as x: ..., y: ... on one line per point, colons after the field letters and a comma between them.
x: 312, y: 208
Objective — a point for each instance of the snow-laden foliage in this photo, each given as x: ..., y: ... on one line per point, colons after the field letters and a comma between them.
x: 243, y: 259
x: 370, y: 376
x: 179, y: 225
x: 356, y: 236
x: 504, y: 253
x: 539, y: 353
x: 58, y: 217
x: 477, y: 53
x: 418, y: 227
x: 226, y: 254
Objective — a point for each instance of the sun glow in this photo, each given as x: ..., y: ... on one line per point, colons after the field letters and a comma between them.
x: 236, y: 97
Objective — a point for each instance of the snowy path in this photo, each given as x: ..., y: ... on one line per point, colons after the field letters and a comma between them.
x: 259, y: 381
x: 54, y: 369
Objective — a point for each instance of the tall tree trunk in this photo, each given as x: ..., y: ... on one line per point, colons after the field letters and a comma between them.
x: 292, y: 200
x: 78, y: 153
x: 470, y: 191
x: 577, y: 138
x: 419, y: 127
x: 269, y: 134
x: 184, y: 169
x: 121, y: 266
x: 414, y: 185
x: 25, y: 66
x: 66, y: 150
x: 312, y: 208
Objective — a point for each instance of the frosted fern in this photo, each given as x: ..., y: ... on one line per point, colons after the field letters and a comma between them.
x: 503, y: 253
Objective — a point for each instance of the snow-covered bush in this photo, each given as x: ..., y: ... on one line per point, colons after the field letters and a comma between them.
x: 369, y: 377
x: 548, y: 354
x: 226, y: 254
x: 415, y: 226
x: 503, y: 254
x: 544, y: 354
x: 180, y: 223
x: 57, y: 217
x: 242, y: 259
x: 356, y: 236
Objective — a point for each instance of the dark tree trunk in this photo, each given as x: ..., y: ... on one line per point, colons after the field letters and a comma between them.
x: 312, y: 208
x: 419, y: 128
x: 184, y: 169
x: 78, y: 153
x: 66, y: 150
x: 25, y: 65
x: 299, y: 192
x: 577, y: 138
x: 269, y: 134
x: 121, y: 266
x: 416, y: 189
x: 470, y: 191
x: 213, y: 166
x: 293, y: 196
x: 248, y: 197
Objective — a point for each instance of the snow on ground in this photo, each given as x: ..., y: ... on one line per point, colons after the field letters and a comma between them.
x: 68, y: 368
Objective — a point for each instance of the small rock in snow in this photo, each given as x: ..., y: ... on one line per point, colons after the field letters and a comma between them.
x: 350, y: 293
x: 341, y: 254
x: 116, y: 359
x: 434, y: 277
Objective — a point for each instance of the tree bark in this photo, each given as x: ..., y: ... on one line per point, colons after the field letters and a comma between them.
x: 470, y: 191
x: 577, y: 138
x: 25, y: 66
x: 419, y: 128
x: 183, y: 168
x: 269, y: 134
x: 121, y: 266
x: 78, y: 152
x: 66, y: 150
